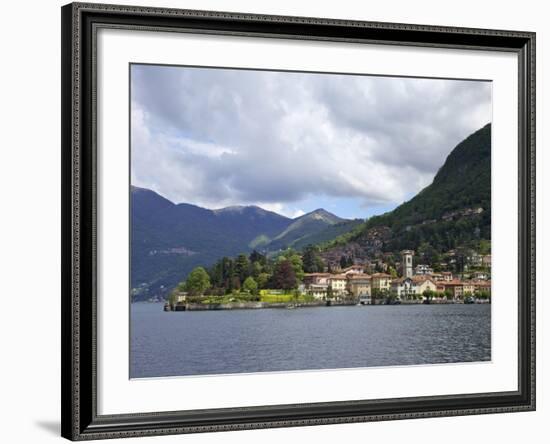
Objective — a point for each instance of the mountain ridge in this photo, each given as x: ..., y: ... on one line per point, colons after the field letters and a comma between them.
x: 169, y: 239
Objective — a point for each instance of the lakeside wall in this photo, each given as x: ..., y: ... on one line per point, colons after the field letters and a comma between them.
x: 254, y: 305
x: 263, y: 305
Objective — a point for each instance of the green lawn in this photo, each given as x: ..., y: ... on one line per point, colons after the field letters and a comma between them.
x: 246, y: 297
x: 286, y: 297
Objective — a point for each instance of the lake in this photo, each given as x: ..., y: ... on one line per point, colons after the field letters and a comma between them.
x: 244, y: 341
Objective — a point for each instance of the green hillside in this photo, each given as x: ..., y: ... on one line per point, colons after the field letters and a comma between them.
x: 454, y: 209
x: 303, y: 227
x: 327, y: 234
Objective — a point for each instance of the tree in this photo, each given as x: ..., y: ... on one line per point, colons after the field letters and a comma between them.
x: 484, y: 247
x: 235, y: 284
x: 297, y: 266
x: 250, y: 285
x: 484, y: 294
x: 257, y: 257
x: 255, y: 269
x: 242, y: 267
x: 173, y: 297
x: 343, y: 262
x: 346, y: 261
x: 312, y: 261
x: 181, y: 286
x: 448, y: 293
x: 428, y: 294
x: 222, y: 273
x: 426, y: 253
x: 296, y: 261
x: 197, y: 282
x: 263, y: 280
x: 392, y: 296
x: 284, y: 276
x: 378, y: 293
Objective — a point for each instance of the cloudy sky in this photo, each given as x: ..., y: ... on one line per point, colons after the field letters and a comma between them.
x: 294, y: 142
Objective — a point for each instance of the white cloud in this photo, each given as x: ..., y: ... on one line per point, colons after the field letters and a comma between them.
x: 217, y: 137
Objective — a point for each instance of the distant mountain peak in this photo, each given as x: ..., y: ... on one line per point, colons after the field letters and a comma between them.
x: 322, y: 215
x: 230, y: 209
x: 248, y: 210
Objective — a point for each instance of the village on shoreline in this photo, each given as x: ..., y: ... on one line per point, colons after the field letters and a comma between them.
x: 381, y: 282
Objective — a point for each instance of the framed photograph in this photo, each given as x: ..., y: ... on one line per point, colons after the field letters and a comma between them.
x: 282, y: 221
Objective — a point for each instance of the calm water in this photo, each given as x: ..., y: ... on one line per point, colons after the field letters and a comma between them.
x: 238, y: 341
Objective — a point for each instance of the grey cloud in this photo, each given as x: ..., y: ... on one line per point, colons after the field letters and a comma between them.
x: 220, y: 137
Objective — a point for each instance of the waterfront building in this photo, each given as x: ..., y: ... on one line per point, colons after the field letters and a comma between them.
x: 403, y: 287
x: 455, y: 286
x: 338, y: 283
x: 359, y: 285
x: 482, y: 285
x: 423, y: 283
x: 380, y: 281
x: 468, y: 287
x: 460, y: 288
x: 408, y: 288
x: 318, y: 291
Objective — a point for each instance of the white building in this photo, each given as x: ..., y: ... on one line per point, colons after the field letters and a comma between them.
x: 318, y: 291
x: 406, y: 288
x: 423, y: 269
x: 406, y: 256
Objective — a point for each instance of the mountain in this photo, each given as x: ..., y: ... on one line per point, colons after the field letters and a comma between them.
x: 304, y: 227
x: 168, y: 240
x: 327, y: 234
x: 453, y: 210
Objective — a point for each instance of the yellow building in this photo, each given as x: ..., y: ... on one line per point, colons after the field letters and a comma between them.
x: 338, y: 283
x: 460, y: 288
x: 468, y: 287
x: 380, y: 281
x: 359, y: 285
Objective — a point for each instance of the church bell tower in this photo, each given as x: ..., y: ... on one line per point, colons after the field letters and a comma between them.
x: 407, y: 258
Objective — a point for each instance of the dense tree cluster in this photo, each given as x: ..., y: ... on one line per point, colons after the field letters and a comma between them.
x: 251, y: 273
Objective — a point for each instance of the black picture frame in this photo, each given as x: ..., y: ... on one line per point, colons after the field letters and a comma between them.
x: 80, y: 420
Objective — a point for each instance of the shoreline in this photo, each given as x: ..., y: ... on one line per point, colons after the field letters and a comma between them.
x: 290, y: 305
